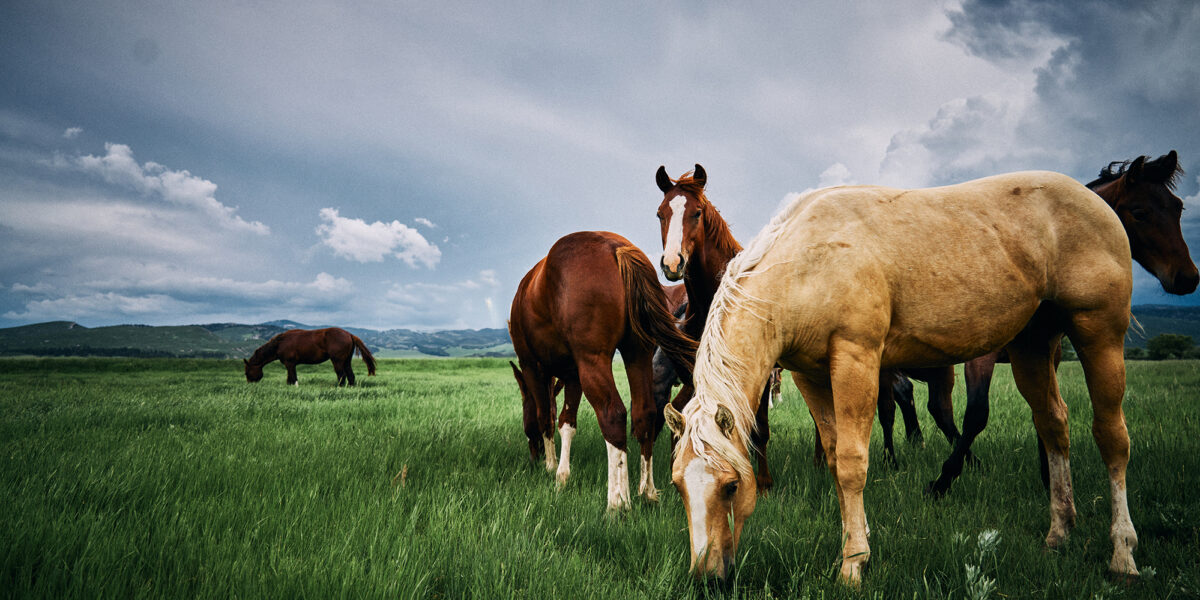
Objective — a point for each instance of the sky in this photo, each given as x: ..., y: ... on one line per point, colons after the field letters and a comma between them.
x: 403, y: 165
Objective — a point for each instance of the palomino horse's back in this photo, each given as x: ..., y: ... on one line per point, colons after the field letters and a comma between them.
x: 948, y: 272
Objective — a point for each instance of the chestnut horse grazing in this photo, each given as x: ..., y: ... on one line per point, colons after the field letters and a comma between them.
x: 848, y: 280
x: 1141, y: 193
x: 310, y: 347
x: 594, y: 293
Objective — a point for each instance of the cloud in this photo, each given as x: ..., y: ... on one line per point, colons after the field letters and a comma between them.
x: 425, y: 222
x: 357, y: 240
x: 101, y: 306
x: 72, y: 132
x: 447, y: 305
x: 118, y: 167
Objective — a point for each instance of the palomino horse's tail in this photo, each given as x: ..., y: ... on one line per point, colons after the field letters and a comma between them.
x: 366, y: 354
x: 649, y: 318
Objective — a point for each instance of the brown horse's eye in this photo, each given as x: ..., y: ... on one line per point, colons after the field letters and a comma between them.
x: 1140, y: 213
x: 696, y: 216
x: 731, y: 489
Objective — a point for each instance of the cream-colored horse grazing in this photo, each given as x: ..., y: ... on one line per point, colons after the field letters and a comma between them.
x: 849, y: 280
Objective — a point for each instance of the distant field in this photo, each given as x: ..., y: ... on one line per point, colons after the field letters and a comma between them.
x: 176, y: 478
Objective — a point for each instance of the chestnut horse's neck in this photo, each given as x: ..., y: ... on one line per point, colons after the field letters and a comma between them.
x: 707, y: 264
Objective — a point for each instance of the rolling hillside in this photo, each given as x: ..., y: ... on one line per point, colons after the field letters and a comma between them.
x: 233, y: 340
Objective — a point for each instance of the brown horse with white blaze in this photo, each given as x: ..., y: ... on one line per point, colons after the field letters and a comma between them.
x: 848, y: 280
x: 310, y: 347
x: 593, y: 294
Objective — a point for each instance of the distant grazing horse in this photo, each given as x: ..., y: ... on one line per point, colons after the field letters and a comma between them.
x: 593, y: 294
x: 309, y: 347
x: 848, y: 280
x: 1140, y: 193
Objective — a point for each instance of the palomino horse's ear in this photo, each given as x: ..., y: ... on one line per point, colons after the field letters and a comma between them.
x: 664, y: 182
x: 1134, y: 173
x: 724, y: 420
x: 699, y: 176
x: 674, y: 420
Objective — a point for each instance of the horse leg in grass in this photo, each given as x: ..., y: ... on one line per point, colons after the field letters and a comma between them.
x: 854, y: 377
x: 639, y: 369
x: 596, y: 378
x: 567, y: 423
x: 978, y: 375
x: 886, y: 406
x: 941, y: 402
x: 758, y: 440
x: 902, y: 394
x: 1099, y: 344
x: 1033, y: 372
x: 350, y: 369
x: 291, y: 373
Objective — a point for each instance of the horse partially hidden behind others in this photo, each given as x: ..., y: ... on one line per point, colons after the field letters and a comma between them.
x: 848, y: 280
x: 309, y: 347
x: 593, y: 294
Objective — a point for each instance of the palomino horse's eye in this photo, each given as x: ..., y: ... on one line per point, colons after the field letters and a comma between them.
x: 731, y: 489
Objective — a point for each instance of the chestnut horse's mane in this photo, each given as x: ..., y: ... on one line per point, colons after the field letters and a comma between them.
x: 1117, y: 168
x: 267, y: 351
x: 716, y: 230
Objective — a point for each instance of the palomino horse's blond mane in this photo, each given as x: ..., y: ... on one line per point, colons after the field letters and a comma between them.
x: 717, y: 369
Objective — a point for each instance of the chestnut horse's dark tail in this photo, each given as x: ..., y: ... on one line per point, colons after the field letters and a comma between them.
x: 366, y: 354
x: 649, y: 318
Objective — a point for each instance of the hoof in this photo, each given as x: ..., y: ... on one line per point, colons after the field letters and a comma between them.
x: 560, y: 479
x: 934, y: 491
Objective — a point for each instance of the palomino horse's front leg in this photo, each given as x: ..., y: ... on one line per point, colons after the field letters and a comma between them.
x: 854, y: 378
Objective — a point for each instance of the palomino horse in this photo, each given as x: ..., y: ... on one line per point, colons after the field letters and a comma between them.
x: 697, y: 245
x: 1140, y: 192
x: 848, y: 280
x: 309, y: 347
x: 593, y: 293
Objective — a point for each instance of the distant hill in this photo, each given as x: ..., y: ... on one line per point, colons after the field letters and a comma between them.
x: 232, y: 340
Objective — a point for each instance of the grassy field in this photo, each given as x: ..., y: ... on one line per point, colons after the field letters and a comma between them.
x: 176, y: 478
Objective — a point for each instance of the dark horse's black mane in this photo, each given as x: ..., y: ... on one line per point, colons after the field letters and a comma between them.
x: 266, y: 352
x: 1117, y: 168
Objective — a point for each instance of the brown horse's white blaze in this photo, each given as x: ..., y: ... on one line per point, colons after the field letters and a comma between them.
x: 847, y: 281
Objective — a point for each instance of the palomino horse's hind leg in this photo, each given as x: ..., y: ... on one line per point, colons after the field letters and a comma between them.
x: 639, y: 368
x: 1101, y: 355
x: 596, y: 378
x: 1033, y: 372
x: 567, y: 422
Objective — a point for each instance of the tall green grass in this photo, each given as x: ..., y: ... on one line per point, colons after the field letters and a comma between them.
x: 176, y: 478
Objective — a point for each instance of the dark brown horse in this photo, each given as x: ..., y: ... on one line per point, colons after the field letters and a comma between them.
x: 1141, y: 192
x: 310, y: 347
x: 697, y: 245
x: 593, y: 294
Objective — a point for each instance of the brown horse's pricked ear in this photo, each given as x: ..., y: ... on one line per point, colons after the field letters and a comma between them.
x: 1162, y: 169
x: 516, y: 370
x: 699, y: 176
x: 674, y: 420
x: 664, y: 182
x: 1134, y: 173
x: 245, y: 362
x: 724, y: 420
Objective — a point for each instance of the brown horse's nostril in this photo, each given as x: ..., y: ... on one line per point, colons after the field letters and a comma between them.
x: 1185, y: 283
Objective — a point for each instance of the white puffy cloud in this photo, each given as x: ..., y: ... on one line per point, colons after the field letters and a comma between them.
x: 118, y: 167
x: 360, y: 241
x: 72, y: 132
